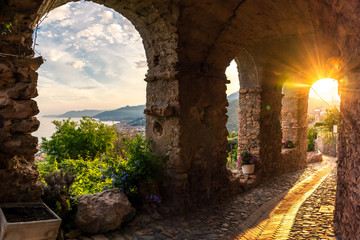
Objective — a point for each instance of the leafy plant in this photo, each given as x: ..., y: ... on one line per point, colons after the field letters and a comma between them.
x: 311, y: 136
x: 139, y: 173
x: 331, y: 118
x: 246, y: 158
x: 288, y: 144
x: 86, y: 139
x: 232, y: 156
x: 57, y: 192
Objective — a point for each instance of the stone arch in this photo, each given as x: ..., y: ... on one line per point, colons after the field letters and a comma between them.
x: 156, y: 25
x: 249, y: 103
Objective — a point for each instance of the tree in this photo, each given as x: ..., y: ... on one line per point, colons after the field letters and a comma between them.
x: 331, y: 118
x: 85, y: 139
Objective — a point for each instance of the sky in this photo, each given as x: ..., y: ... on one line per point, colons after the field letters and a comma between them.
x: 95, y: 59
x: 96, y: 63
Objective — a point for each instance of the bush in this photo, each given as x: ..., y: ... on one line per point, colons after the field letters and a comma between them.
x: 58, y: 197
x: 311, y: 136
x: 288, y: 144
x: 140, y: 173
x: 87, y: 174
x: 86, y: 139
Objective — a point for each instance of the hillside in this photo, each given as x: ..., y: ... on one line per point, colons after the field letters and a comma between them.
x: 233, y: 96
x: 124, y: 113
x: 76, y: 114
x: 233, y: 120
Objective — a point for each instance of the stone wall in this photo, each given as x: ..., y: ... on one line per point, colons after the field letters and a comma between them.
x: 249, y: 121
x: 347, y: 208
x: 325, y: 147
x: 270, y: 134
x: 18, y: 85
x: 294, y: 128
x: 18, y: 174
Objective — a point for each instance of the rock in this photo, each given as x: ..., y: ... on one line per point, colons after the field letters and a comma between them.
x: 313, y: 157
x: 99, y: 237
x: 102, y: 211
x: 73, y: 234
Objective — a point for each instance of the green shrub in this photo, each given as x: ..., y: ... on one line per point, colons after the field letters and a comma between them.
x: 288, y: 144
x: 86, y: 139
x: 140, y: 173
x: 88, y: 174
x: 311, y: 136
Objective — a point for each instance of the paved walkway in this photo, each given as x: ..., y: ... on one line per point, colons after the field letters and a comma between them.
x: 274, y: 210
x: 269, y: 222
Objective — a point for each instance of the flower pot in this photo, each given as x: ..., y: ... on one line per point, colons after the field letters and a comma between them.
x: 25, y: 221
x: 248, y: 169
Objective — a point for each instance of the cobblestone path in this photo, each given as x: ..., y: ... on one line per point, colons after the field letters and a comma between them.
x: 275, y: 223
x: 314, y: 220
x: 277, y: 209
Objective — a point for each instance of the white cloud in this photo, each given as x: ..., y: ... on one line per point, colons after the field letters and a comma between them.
x: 59, y: 13
x: 55, y: 54
x: 140, y: 64
x: 107, y: 17
x: 78, y: 64
x: 96, y: 59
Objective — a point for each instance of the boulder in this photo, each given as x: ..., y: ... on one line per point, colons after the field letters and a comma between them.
x: 313, y: 157
x: 102, y: 212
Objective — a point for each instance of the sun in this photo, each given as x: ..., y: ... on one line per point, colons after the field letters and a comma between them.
x: 327, y: 88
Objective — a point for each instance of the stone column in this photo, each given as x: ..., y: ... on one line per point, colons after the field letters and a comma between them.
x: 347, y: 206
x: 18, y: 174
x: 294, y: 128
x: 249, y: 121
x: 270, y: 133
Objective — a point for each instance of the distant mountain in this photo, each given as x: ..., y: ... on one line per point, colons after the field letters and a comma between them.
x: 138, y: 122
x: 233, y: 96
x: 125, y: 113
x: 76, y: 114
x: 233, y: 120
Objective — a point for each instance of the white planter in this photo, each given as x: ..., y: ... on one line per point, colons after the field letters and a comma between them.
x: 248, y: 169
x: 28, y: 230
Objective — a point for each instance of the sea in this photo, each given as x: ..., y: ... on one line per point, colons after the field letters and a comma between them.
x: 47, y: 128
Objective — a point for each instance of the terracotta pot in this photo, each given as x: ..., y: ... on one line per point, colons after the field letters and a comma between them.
x: 248, y: 169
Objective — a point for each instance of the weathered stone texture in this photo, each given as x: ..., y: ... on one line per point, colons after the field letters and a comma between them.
x: 294, y: 128
x: 313, y: 157
x: 188, y: 46
x: 249, y: 121
x: 347, y: 209
x: 102, y: 212
x: 325, y: 147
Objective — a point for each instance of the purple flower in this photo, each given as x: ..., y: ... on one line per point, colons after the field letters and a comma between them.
x: 103, y: 177
x: 136, y: 162
x: 157, y: 199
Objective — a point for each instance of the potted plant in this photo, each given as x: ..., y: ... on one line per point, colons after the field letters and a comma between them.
x: 288, y: 144
x: 247, y: 162
x: 22, y: 221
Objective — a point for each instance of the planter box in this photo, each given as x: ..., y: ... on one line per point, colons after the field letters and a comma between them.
x: 14, y: 226
x: 248, y: 169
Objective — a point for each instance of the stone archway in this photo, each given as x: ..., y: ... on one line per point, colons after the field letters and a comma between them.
x: 189, y: 44
x: 19, y: 80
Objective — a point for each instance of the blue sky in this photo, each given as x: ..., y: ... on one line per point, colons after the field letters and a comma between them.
x: 95, y: 59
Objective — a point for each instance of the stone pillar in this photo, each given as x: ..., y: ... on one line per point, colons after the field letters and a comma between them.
x: 347, y: 206
x: 294, y: 128
x: 18, y: 174
x: 249, y: 121
x: 270, y: 133
x: 200, y: 168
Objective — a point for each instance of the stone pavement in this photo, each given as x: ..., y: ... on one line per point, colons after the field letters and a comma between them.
x: 273, y: 210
